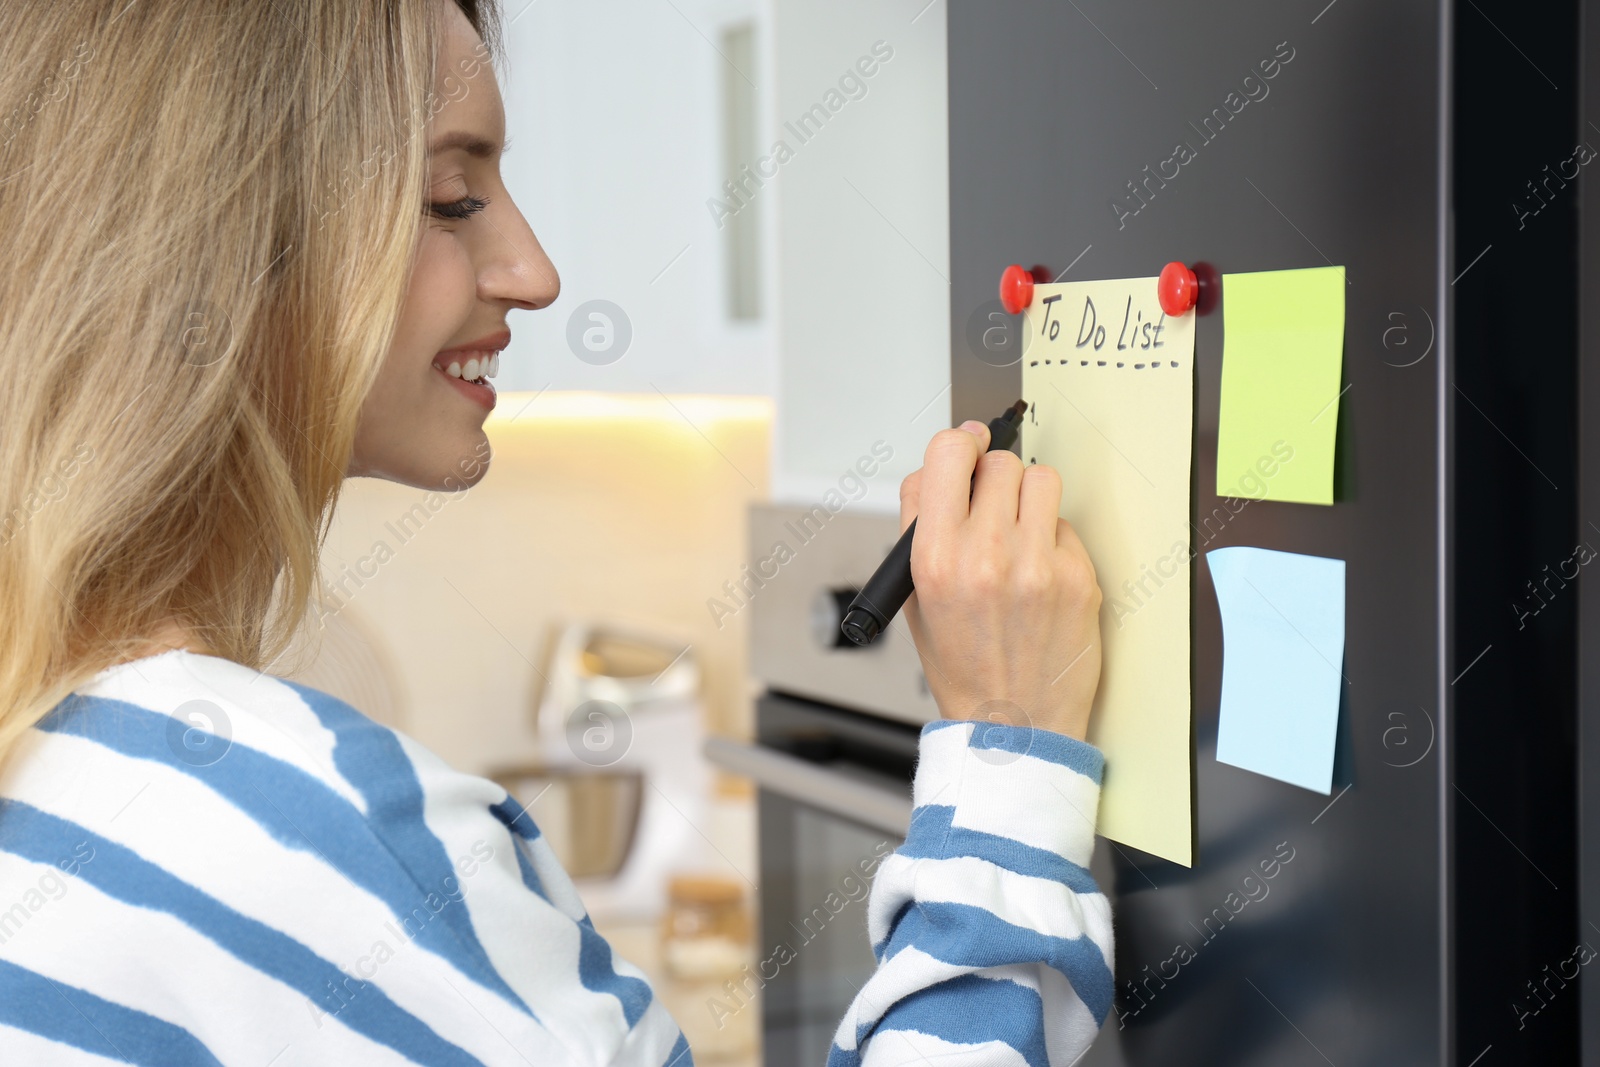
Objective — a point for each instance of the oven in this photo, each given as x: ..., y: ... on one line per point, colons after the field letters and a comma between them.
x: 834, y: 751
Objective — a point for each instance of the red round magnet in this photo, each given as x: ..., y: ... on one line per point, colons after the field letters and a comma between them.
x: 1016, y: 288
x: 1177, y: 289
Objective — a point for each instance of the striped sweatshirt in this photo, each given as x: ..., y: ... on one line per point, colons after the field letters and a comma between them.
x: 203, y: 864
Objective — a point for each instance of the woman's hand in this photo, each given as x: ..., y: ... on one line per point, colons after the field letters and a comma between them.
x: 1006, y: 612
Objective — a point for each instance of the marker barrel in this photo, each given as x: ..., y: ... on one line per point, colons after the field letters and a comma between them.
x: 890, y: 585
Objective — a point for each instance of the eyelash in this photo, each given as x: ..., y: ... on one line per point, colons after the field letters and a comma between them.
x: 464, y: 208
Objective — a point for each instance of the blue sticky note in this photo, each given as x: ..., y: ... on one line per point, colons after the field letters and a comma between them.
x: 1282, y: 662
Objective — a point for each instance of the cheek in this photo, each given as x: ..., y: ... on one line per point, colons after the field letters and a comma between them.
x: 441, y: 293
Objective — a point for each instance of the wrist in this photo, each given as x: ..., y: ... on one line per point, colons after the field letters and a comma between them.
x: 1022, y: 782
x: 1071, y: 722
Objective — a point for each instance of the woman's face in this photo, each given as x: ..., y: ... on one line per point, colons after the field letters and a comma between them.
x: 422, y: 426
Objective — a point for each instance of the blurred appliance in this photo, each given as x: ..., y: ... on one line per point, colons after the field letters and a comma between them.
x: 620, y: 786
x: 590, y: 817
x: 836, y: 743
x: 616, y: 663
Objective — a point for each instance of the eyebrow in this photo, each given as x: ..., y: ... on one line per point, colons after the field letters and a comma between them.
x: 471, y: 143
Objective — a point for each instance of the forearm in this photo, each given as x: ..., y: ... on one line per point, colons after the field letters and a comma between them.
x: 990, y: 933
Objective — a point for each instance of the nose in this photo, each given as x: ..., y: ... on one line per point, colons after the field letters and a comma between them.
x: 516, y: 271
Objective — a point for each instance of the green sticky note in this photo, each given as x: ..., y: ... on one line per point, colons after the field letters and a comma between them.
x: 1283, y: 346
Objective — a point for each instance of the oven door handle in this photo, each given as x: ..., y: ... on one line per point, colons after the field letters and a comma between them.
x: 790, y: 776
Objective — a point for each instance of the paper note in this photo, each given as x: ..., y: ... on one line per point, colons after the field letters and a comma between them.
x: 1283, y: 346
x: 1109, y: 378
x: 1282, y: 662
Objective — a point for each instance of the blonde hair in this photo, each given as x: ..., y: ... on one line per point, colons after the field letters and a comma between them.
x: 210, y: 222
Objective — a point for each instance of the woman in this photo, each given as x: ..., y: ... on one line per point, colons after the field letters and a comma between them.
x: 257, y: 249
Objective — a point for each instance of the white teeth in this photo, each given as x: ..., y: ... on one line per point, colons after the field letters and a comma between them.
x: 476, y: 368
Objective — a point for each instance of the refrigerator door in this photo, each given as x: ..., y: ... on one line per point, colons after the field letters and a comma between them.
x: 1393, y: 919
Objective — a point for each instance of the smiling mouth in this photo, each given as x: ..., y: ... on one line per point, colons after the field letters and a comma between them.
x: 476, y: 368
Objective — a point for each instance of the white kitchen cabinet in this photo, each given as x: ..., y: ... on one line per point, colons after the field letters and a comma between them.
x: 620, y: 161
x: 863, y: 243
x: 615, y: 112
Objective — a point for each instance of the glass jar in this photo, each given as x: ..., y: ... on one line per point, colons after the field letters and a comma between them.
x: 705, y: 931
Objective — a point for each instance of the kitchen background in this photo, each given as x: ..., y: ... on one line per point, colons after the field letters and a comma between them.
x: 747, y: 204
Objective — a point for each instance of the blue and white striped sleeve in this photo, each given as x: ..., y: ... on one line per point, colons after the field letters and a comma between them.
x: 305, y: 886
x: 994, y: 944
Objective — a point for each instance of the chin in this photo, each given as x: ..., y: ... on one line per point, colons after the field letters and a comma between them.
x: 464, y: 477
x: 467, y: 471
x: 426, y: 471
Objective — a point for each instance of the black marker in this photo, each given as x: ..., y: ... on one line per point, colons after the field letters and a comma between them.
x: 890, y: 585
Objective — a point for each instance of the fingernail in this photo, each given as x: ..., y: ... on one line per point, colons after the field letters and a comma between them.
x: 972, y: 426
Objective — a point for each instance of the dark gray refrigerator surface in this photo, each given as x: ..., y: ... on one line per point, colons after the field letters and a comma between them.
x: 1418, y: 914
